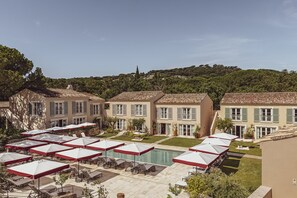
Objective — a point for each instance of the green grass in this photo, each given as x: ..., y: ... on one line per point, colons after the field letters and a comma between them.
x: 106, y: 135
x: 254, y: 148
x: 147, y: 139
x: 247, y: 171
x: 182, y: 142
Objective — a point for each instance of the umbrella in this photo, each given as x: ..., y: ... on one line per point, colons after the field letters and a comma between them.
x: 105, y: 145
x: 24, y: 145
x: 35, y: 132
x: 71, y: 126
x: 52, y: 138
x: 49, y: 149
x: 37, y: 169
x: 225, y: 136
x: 78, y: 154
x: 81, y: 142
x: 54, y: 129
x: 134, y: 149
x: 12, y: 157
x: 217, y: 141
x: 209, y: 148
x: 197, y: 159
x: 87, y: 124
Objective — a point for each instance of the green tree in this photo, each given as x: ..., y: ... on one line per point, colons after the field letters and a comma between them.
x: 111, y: 122
x: 225, y: 124
x: 61, y: 179
x: 137, y: 123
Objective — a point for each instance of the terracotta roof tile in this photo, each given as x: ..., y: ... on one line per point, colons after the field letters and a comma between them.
x: 264, y: 98
x: 187, y: 98
x: 136, y: 96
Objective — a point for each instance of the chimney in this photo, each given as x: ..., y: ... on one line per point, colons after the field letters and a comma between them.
x: 69, y: 87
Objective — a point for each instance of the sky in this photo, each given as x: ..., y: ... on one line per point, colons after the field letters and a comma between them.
x: 82, y: 38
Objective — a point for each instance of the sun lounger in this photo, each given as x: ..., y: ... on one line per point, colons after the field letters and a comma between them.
x: 181, y: 184
x: 94, y: 160
x: 83, y: 134
x: 197, y: 170
x: 242, y: 148
x: 21, y: 182
x: 47, y: 192
x: 88, y: 175
x: 119, y: 163
x: 109, y: 162
x: 74, y: 172
x: 146, y: 168
x: 130, y: 165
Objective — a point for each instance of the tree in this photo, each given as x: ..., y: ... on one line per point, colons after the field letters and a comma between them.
x: 137, y: 123
x: 111, y: 122
x: 61, y: 179
x: 225, y: 124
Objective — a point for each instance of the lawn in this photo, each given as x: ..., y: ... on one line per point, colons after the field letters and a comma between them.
x: 182, y: 142
x: 147, y: 139
x: 247, y: 171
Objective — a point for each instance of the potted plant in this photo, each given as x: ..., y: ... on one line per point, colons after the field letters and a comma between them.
x: 60, y: 180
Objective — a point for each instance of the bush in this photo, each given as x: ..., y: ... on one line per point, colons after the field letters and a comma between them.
x: 196, y: 135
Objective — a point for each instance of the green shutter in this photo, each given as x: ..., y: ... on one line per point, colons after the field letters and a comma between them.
x: 289, y: 116
x: 227, y: 113
x: 65, y: 108
x: 256, y: 114
x: 52, y: 108
x: 244, y: 114
x: 275, y: 115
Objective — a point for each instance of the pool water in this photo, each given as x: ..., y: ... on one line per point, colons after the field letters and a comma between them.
x: 156, y: 156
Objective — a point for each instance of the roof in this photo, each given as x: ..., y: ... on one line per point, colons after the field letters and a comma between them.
x: 136, y: 96
x: 279, y: 135
x: 261, y: 98
x: 93, y: 97
x: 187, y: 98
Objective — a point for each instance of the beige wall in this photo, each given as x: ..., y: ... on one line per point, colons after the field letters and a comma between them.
x: 207, y: 114
x: 279, y: 167
x: 250, y: 116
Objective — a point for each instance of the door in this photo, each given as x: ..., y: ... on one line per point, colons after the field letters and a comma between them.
x: 163, y: 129
x: 239, y: 131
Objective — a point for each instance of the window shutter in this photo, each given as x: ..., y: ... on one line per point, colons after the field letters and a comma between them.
x: 193, y: 113
x: 227, y: 113
x: 244, y: 114
x: 101, y: 109
x: 30, y: 109
x: 124, y: 110
x: 73, y: 107
x: 170, y: 113
x: 52, y: 108
x: 114, y: 109
x: 133, y: 110
x: 158, y: 113
x: 167, y: 129
x: 91, y: 109
x: 65, y: 108
x: 179, y: 113
x: 275, y: 115
x: 85, y: 106
x: 144, y: 110
x: 289, y: 116
x: 256, y: 114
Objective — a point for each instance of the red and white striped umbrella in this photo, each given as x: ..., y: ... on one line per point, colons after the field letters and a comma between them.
x: 12, y: 158
x: 134, y: 149
x: 209, y: 148
x: 52, y: 138
x: 217, y: 141
x: 105, y: 145
x: 35, y: 132
x: 81, y: 142
x: 49, y: 149
x: 198, y: 159
x: 87, y: 124
x: 24, y: 145
x: 225, y: 136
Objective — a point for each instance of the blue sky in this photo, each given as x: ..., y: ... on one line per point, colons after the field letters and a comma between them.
x: 71, y: 38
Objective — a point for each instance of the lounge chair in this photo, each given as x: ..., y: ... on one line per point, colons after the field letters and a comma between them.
x: 83, y: 134
x: 19, y: 181
x: 146, y: 168
x: 109, y: 162
x: 88, y: 175
x: 197, y: 170
x: 119, y: 163
x: 50, y: 191
x: 74, y: 172
x: 94, y: 160
x: 42, y: 193
x: 181, y: 184
x: 130, y: 165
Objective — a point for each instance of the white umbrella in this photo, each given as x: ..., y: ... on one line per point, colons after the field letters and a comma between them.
x: 49, y: 149
x: 12, y: 157
x: 55, y: 129
x: 134, y: 149
x: 52, y: 138
x: 105, y: 145
x: 197, y: 159
x: 209, y: 148
x: 71, y: 126
x: 35, y: 132
x: 24, y: 145
x: 87, y: 124
x: 224, y: 136
x: 217, y: 141
x: 37, y: 169
x: 81, y: 142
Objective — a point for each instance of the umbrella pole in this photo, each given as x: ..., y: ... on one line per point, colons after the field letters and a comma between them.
x: 78, y: 169
x: 134, y: 160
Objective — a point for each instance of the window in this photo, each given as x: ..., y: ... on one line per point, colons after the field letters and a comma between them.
x: 96, y: 109
x: 138, y: 110
x: 59, y: 108
x: 164, y: 113
x: 186, y: 129
x: 120, y: 124
x: 79, y: 120
x: 120, y: 109
x: 58, y: 123
x: 236, y: 114
x: 262, y: 131
x: 186, y: 113
x: 294, y: 115
x: 79, y: 107
x: 36, y: 108
x: 266, y: 115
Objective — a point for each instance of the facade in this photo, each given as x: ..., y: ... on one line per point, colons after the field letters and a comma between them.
x: 184, y: 114
x: 37, y: 109
x: 134, y: 105
x: 261, y: 113
x: 279, y: 163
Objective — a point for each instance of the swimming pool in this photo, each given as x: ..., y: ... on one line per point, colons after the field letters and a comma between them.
x: 156, y: 156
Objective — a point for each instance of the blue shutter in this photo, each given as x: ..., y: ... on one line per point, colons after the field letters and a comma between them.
x: 275, y: 115
x: 244, y: 114
x: 227, y: 113
x: 256, y: 114
x: 179, y: 113
x: 289, y: 116
x: 144, y: 110
x: 73, y: 107
x: 170, y: 113
x: 114, y: 109
x: 133, y: 110
x: 193, y: 113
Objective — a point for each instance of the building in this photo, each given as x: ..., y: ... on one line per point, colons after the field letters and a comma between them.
x: 279, y: 163
x: 260, y: 113
x: 37, y: 109
x: 134, y: 105
x: 184, y: 114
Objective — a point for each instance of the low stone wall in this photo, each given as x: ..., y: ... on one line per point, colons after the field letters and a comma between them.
x: 262, y: 192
